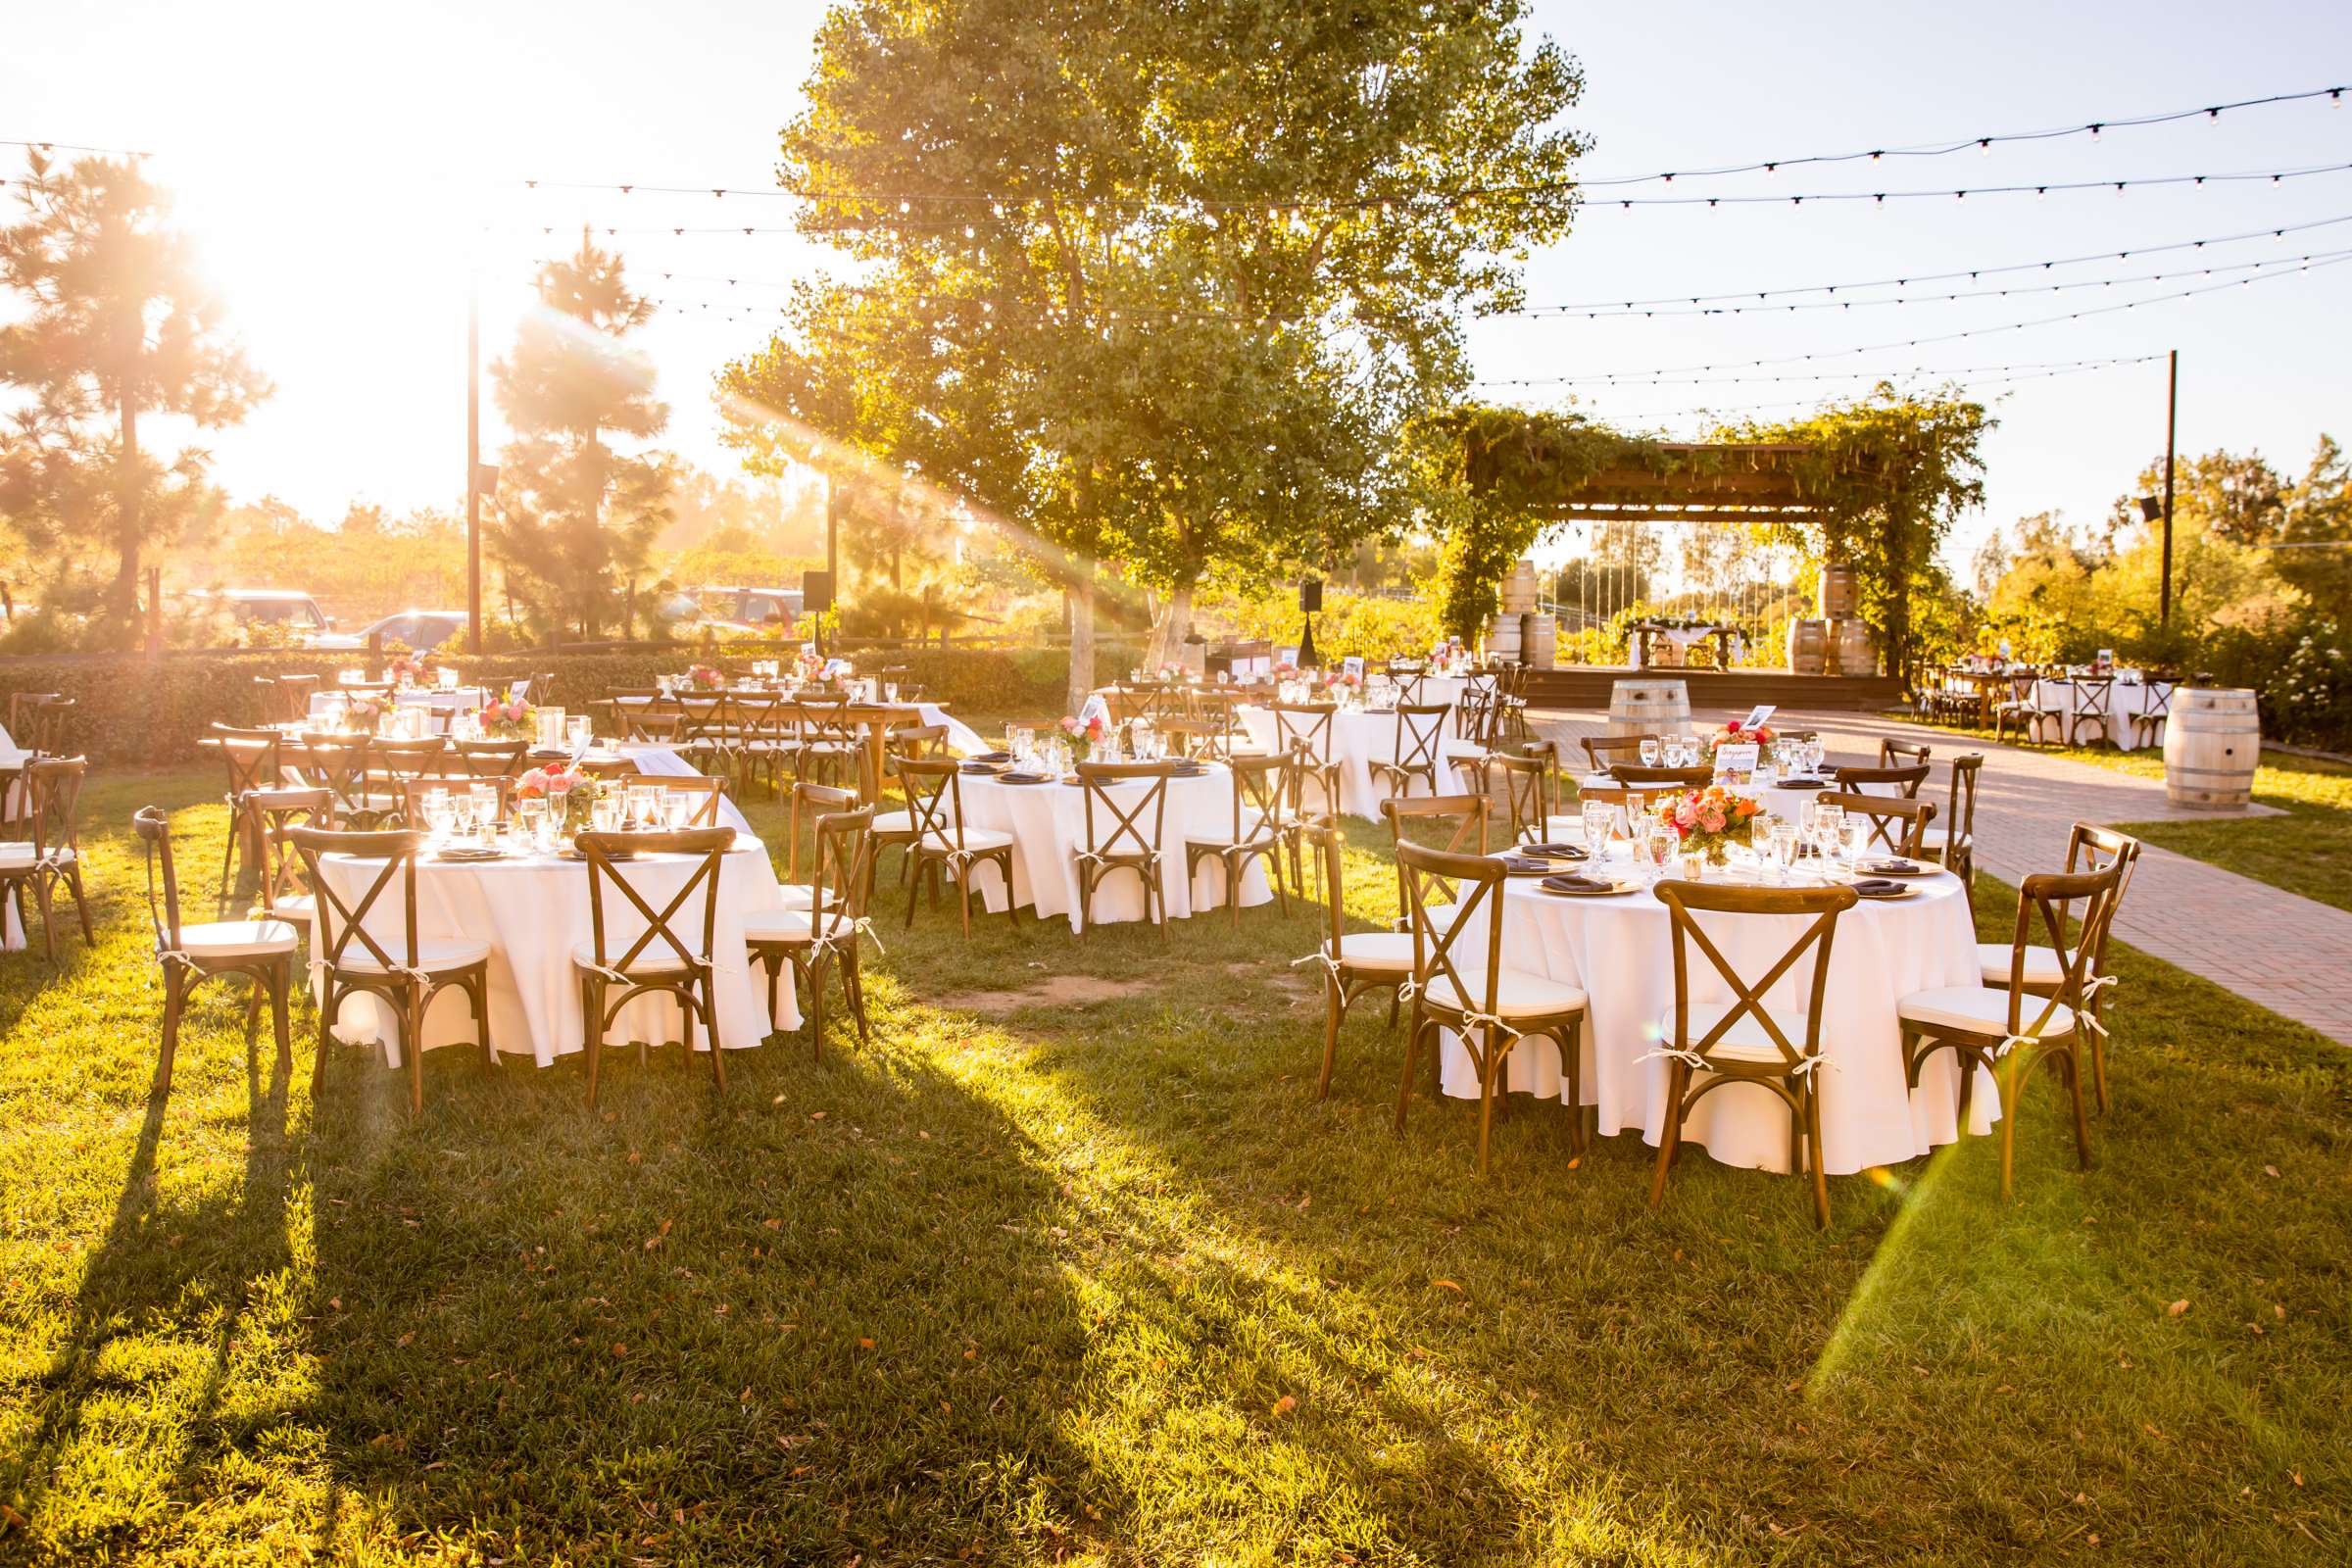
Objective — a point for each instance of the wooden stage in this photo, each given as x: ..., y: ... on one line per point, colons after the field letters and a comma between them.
x: 1716, y: 691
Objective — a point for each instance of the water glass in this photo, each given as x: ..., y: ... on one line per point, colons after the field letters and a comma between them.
x: 1600, y: 816
x: 485, y: 803
x: 604, y: 814
x: 678, y: 808
x: 890, y: 691
x: 533, y: 811
x: 1784, y: 845
x: 1652, y: 750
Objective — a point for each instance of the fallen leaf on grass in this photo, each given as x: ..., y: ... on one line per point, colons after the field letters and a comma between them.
x: 865, y: 1343
x: 2269, y: 1170
x: 621, y: 1350
x: 1446, y: 1285
x: 1285, y: 1405
x: 817, y: 1115
x: 2176, y: 1309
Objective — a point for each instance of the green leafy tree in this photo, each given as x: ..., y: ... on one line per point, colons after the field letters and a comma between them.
x: 116, y: 325
x: 1158, y: 286
x: 576, y: 520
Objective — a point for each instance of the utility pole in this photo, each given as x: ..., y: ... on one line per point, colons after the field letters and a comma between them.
x: 474, y: 466
x: 2172, y: 410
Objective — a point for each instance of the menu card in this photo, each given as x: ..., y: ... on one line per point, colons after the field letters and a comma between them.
x: 1735, y: 762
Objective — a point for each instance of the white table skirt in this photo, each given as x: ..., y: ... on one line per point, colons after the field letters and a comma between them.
x: 12, y: 804
x: 2122, y: 702
x: 962, y: 739
x: 1358, y: 741
x: 1048, y: 824
x: 1620, y: 950
x: 531, y: 910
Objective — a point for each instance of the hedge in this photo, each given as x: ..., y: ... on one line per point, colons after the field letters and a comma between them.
x: 132, y: 712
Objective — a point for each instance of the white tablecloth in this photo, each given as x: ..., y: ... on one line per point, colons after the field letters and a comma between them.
x: 1358, y: 741
x: 531, y: 910
x: 1048, y: 824
x: 328, y: 701
x: 962, y: 739
x: 661, y: 762
x: 12, y: 801
x: 1620, y: 950
x: 2122, y: 702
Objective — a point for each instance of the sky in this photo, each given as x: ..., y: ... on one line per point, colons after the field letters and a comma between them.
x: 350, y: 178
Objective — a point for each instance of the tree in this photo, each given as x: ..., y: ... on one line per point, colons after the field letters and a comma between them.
x: 117, y: 324
x: 576, y: 520
x: 1160, y: 285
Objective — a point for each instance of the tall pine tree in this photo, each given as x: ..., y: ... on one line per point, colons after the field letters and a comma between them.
x: 118, y: 325
x: 576, y: 518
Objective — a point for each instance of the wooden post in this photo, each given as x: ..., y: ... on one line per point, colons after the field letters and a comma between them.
x: 155, y: 611
x: 473, y: 468
x: 2171, y: 408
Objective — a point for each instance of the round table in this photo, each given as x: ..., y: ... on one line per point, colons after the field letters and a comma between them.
x: 532, y: 908
x: 329, y: 702
x: 1048, y: 824
x: 1359, y: 739
x: 1620, y: 952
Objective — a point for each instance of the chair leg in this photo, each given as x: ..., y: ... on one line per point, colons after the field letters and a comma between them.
x: 1335, y: 1003
x: 1813, y: 1156
x: 1677, y: 1077
x: 709, y: 985
x: 2074, y: 1090
x: 1486, y: 1111
x: 175, y: 988
x: 327, y: 1005
x: 411, y: 1042
x: 592, y: 1027
x: 282, y: 988
x: 804, y: 972
x: 853, y: 982
x: 2008, y: 1081
x: 81, y: 905
x: 1412, y: 1047
x: 477, y: 988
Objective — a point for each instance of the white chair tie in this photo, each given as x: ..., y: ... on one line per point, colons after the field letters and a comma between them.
x: 844, y: 932
x: 1699, y: 1063
x: 1473, y: 1020
x: 1151, y: 856
x: 1323, y: 955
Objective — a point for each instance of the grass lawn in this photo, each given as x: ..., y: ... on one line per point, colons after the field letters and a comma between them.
x: 1037, y: 1278
x: 2308, y: 851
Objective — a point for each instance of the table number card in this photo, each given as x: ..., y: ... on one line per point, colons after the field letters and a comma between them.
x: 1736, y: 762
x: 1757, y: 716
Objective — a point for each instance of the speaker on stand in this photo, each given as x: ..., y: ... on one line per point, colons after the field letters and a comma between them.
x: 1311, y: 604
x: 816, y: 597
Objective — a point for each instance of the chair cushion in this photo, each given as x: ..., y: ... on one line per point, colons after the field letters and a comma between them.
x: 431, y: 956
x: 974, y: 838
x: 1257, y: 825
x: 2044, y: 965
x: 1744, y: 1041
x: 787, y: 925
x: 294, y: 907
x: 1385, y: 951
x: 799, y: 896
x: 902, y: 823
x: 1518, y: 995
x: 237, y: 939
x: 19, y: 852
x: 1980, y: 1009
x: 658, y: 958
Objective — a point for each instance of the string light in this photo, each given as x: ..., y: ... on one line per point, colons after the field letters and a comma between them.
x: 1981, y: 372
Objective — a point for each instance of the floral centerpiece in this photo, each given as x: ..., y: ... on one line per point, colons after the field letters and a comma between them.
x: 1704, y: 820
x: 1732, y: 735
x: 407, y: 668
x: 1344, y: 680
x: 568, y: 791
x: 362, y: 712
x: 508, y: 720
x: 1084, y: 737
x: 705, y: 678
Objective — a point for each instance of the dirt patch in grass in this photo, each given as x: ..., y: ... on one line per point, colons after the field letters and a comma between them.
x: 1052, y: 991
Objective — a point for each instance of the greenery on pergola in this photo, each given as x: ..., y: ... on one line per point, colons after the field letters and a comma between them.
x: 1876, y: 482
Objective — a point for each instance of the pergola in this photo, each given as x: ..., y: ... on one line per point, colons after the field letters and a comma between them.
x: 1705, y: 481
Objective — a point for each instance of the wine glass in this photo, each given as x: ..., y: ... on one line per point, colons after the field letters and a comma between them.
x: 1784, y: 845
x: 1599, y: 817
x: 678, y: 807
x: 1651, y: 749
x: 1665, y: 842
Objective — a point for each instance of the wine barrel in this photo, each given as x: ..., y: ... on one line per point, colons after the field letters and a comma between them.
x: 1538, y: 641
x: 1649, y: 708
x: 1519, y: 589
x: 1855, y: 654
x: 1502, y: 639
x: 1808, y: 646
x: 1840, y: 592
x: 2212, y: 741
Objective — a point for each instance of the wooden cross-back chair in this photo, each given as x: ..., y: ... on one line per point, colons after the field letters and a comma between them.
x: 1474, y: 714
x: 1658, y: 780
x: 892, y: 830
x: 1743, y: 1041
x: 1421, y: 734
x: 509, y: 757
x: 49, y: 858
x: 391, y: 764
x: 2156, y: 707
x: 827, y: 745
x: 2089, y: 849
x: 402, y: 973
x: 268, y: 813
x: 21, y: 705
x: 705, y: 793
x: 761, y: 736
x: 1125, y: 836
x: 1892, y: 826
x: 705, y: 735
x: 262, y: 950
x: 1355, y: 963
x: 1606, y: 752
x: 339, y: 763
x: 1903, y: 753
x: 2090, y: 701
x: 646, y: 717
x: 2024, y: 709
x: 1904, y: 779
x: 814, y: 801
x: 1526, y: 793
x: 1993, y: 1027
x: 1459, y: 823
x: 1215, y: 709
x: 251, y: 757
x: 414, y: 791
x: 45, y: 726
x: 1489, y: 1007
x: 816, y: 938
x: 1954, y: 843
x: 668, y: 956
x: 1255, y: 833
x: 945, y: 844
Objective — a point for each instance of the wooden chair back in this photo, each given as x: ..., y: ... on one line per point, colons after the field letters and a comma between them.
x: 1462, y: 819
x: 658, y: 933
x: 2047, y: 898
x: 53, y: 803
x: 1470, y: 886
x: 1526, y: 790
x: 1960, y: 818
x: 343, y: 922
x: 49, y: 722
x: 1606, y: 752
x: 1258, y: 795
x: 154, y: 829
x: 705, y: 793
x: 508, y: 758
x: 1133, y: 829
x: 1686, y: 901
x: 271, y: 812
x: 1659, y: 780
x: 1902, y: 753
x: 251, y: 755
x: 935, y: 798
x: 1421, y: 735
x: 1903, y: 780
x: 1891, y: 824
x: 1304, y: 726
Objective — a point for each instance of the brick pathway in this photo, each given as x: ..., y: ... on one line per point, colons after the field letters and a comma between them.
x: 2271, y: 947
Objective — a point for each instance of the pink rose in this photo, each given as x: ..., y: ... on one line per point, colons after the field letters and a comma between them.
x: 1686, y: 814
x: 1711, y: 819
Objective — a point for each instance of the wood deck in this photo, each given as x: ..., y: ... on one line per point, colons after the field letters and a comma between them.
x: 1716, y: 691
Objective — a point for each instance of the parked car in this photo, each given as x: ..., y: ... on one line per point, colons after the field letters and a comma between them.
x: 749, y: 612
x: 420, y: 629
x: 281, y: 614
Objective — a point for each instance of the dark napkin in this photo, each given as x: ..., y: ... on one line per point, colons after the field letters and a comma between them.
x: 1892, y: 867
x: 1022, y: 779
x: 1557, y: 851
x: 1877, y: 887
x: 991, y: 756
x: 1578, y: 882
